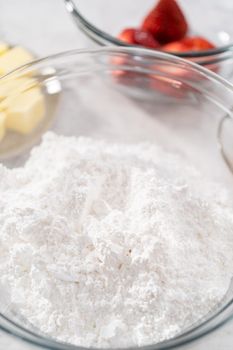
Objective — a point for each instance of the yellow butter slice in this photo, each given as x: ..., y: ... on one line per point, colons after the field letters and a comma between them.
x: 3, y: 47
x: 13, y: 58
x: 12, y: 87
x: 25, y: 112
x: 2, y: 125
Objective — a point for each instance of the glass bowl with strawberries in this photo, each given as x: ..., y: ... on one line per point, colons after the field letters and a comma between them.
x: 198, y: 31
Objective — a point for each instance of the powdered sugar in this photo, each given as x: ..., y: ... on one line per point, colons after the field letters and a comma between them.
x: 112, y: 245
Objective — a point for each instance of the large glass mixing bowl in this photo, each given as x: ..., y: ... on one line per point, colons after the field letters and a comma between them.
x: 128, y: 95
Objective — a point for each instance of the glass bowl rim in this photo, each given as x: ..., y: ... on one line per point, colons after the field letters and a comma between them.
x: 203, y: 328
x: 101, y: 37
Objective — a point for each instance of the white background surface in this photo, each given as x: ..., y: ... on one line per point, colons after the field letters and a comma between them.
x: 44, y: 27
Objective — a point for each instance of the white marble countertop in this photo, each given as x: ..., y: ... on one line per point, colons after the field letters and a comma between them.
x: 45, y: 28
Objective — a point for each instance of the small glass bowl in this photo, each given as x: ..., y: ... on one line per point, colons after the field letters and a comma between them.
x: 102, y: 21
x: 127, y: 95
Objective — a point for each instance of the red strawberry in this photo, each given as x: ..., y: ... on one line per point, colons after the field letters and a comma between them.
x: 138, y: 37
x: 168, y: 86
x: 189, y: 44
x: 127, y: 35
x: 169, y: 80
x: 146, y: 39
x: 192, y: 44
x: 166, y: 22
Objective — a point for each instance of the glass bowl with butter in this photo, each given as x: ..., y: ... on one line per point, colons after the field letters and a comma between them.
x: 124, y: 95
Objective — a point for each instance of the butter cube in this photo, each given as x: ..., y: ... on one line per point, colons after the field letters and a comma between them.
x: 2, y: 125
x: 13, y: 87
x: 25, y: 111
x: 13, y: 58
x: 3, y: 47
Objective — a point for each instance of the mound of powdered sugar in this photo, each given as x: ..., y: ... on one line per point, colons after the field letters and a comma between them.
x: 112, y: 245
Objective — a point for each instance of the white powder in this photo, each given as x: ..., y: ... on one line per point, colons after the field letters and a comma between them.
x: 112, y: 245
